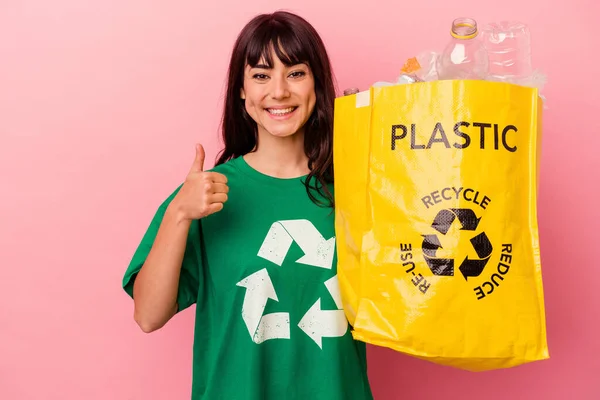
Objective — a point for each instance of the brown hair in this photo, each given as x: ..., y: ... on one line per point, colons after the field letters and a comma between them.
x: 295, y: 41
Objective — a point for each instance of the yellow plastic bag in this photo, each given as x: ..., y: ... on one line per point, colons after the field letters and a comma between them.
x: 436, y: 221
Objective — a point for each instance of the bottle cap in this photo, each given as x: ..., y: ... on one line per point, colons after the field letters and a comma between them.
x: 464, y: 28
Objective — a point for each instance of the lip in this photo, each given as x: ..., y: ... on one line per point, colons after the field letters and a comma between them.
x: 281, y: 117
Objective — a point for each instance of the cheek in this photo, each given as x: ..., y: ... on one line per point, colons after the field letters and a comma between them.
x: 311, y: 99
x: 251, y: 106
x: 250, y: 101
x: 310, y: 94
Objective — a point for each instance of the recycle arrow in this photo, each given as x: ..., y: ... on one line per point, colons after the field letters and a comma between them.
x: 474, y: 267
x: 318, y: 323
x: 259, y: 289
x: 444, y: 219
x: 439, y: 266
x: 317, y: 250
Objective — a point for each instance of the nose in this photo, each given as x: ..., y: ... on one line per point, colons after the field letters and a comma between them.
x: 280, y: 89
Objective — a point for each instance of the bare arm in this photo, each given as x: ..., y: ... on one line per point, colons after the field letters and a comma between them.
x: 157, y: 283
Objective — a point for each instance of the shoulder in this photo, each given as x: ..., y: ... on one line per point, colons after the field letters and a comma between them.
x: 229, y: 168
x: 236, y: 173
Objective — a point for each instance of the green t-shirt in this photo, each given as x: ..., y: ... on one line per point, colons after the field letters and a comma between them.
x: 262, y: 273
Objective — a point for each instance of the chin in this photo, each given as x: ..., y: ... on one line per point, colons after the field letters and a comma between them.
x: 282, y: 133
x: 282, y: 130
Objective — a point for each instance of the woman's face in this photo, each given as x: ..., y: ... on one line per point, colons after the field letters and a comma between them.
x: 280, y: 99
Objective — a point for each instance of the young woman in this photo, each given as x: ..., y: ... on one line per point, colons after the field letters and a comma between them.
x: 251, y: 242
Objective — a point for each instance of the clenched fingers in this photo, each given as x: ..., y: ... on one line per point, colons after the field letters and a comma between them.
x: 215, y: 177
x: 219, y: 188
x: 217, y: 198
x: 214, y: 207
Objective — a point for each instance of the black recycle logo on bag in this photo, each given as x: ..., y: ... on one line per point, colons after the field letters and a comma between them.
x: 470, y: 267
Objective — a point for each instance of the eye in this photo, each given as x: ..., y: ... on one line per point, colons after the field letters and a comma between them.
x: 297, y: 74
x: 260, y: 77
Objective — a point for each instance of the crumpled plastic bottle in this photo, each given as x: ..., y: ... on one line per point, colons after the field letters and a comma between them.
x: 508, y: 44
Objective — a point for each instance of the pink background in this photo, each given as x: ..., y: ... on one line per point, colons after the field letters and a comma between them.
x: 101, y: 103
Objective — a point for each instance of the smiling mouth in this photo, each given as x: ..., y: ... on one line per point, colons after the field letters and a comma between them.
x: 281, y: 111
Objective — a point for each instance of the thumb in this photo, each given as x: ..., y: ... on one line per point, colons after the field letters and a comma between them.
x: 198, y: 165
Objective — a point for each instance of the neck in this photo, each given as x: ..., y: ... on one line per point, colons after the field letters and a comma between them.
x: 279, y: 157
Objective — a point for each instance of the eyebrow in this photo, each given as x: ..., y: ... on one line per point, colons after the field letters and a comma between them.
x: 265, y: 66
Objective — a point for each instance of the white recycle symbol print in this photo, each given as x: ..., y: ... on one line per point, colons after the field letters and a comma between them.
x: 318, y: 252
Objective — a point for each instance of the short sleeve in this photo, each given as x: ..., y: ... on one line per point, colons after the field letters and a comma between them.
x: 189, y: 280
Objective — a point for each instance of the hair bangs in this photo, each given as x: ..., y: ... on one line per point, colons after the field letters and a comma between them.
x: 278, y: 39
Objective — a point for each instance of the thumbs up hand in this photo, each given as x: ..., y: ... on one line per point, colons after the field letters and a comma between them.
x: 198, y: 164
x: 202, y: 193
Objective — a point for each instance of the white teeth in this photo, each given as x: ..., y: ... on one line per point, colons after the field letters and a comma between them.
x: 281, y: 111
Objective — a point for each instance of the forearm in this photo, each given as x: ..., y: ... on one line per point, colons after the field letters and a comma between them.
x: 156, y: 286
